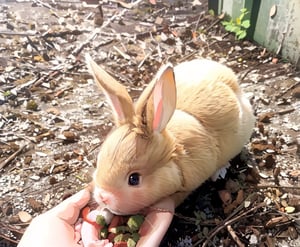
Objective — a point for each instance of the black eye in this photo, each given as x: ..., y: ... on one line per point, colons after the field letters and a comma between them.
x: 134, y: 179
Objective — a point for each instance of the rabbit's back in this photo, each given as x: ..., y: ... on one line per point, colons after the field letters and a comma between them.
x: 203, y: 70
x: 210, y: 92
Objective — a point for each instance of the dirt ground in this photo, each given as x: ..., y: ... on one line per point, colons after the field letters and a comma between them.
x: 53, y: 118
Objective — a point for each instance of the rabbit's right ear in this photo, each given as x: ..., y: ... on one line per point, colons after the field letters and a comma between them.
x: 117, y: 95
x: 157, y: 103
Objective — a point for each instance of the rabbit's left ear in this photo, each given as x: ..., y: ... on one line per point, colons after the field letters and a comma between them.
x: 116, y: 94
x: 157, y: 103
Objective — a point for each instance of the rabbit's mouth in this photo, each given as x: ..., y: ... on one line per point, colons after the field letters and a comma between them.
x: 94, y: 204
x: 119, y: 212
x: 108, y: 201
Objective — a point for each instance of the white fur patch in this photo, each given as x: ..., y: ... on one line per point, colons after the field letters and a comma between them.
x: 221, y: 173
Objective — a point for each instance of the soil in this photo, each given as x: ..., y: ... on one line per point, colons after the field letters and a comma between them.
x: 53, y: 117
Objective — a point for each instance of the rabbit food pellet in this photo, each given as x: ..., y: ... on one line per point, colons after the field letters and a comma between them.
x: 122, y: 231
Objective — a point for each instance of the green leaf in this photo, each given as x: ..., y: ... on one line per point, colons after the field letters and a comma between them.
x: 245, y: 24
x: 243, y: 13
x: 229, y: 28
x: 241, y: 35
x: 7, y: 93
x: 243, y: 10
x: 240, y: 32
x: 235, y: 29
x: 225, y: 23
x: 241, y: 17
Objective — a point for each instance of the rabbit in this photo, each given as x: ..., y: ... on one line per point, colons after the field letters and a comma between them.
x: 189, y: 122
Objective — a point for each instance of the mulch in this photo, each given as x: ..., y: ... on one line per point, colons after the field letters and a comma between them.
x: 53, y: 118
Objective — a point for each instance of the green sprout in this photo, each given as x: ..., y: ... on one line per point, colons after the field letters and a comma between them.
x: 238, y: 26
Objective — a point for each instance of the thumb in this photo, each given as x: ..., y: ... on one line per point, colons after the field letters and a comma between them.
x: 69, y: 209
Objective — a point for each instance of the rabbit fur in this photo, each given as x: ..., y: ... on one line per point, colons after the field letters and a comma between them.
x: 187, y: 123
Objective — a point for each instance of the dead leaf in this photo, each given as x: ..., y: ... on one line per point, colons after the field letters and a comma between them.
x: 253, y: 175
x: 196, y: 3
x: 295, y: 174
x: 240, y: 197
x: 268, y: 242
x: 225, y: 196
x: 24, y: 216
x: 266, y: 117
x: 284, y: 203
x: 289, y: 209
x: 232, y: 186
x: 270, y: 161
x: 258, y: 147
x: 273, y: 11
x: 263, y: 53
x: 296, y: 92
x: 53, y: 111
x: 276, y: 220
x: 152, y: 2
x: 68, y: 136
x: 293, y: 233
x: 275, y: 60
x: 35, y: 205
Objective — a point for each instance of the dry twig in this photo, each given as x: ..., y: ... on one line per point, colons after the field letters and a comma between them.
x: 10, y: 158
x: 234, y: 236
x: 227, y: 222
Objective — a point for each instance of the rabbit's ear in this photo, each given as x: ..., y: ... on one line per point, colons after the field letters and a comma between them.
x: 158, y: 102
x: 116, y: 93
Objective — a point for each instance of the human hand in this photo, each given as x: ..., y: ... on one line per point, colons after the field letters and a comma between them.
x: 57, y: 226
x: 156, y: 223
x: 152, y: 231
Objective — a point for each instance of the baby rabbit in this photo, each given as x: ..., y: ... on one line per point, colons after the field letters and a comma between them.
x: 188, y: 123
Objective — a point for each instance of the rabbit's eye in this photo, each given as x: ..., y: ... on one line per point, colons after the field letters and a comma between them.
x: 134, y: 179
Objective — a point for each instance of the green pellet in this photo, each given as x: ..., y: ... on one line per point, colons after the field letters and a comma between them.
x: 131, y: 243
x: 103, y: 233
x: 135, y: 236
x: 119, y: 229
x: 100, y: 220
x: 121, y: 237
x: 134, y: 222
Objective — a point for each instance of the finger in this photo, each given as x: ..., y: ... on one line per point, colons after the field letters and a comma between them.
x: 89, y: 233
x: 156, y: 223
x: 80, y: 199
x: 99, y: 243
x: 77, y: 237
x: 69, y: 209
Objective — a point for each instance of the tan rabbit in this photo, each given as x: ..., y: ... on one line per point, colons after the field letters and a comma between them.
x: 188, y: 123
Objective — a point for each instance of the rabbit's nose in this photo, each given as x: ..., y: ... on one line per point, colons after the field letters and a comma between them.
x: 104, y: 198
x: 103, y: 195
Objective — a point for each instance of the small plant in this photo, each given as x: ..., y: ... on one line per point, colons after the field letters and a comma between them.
x: 211, y: 12
x: 238, y: 26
